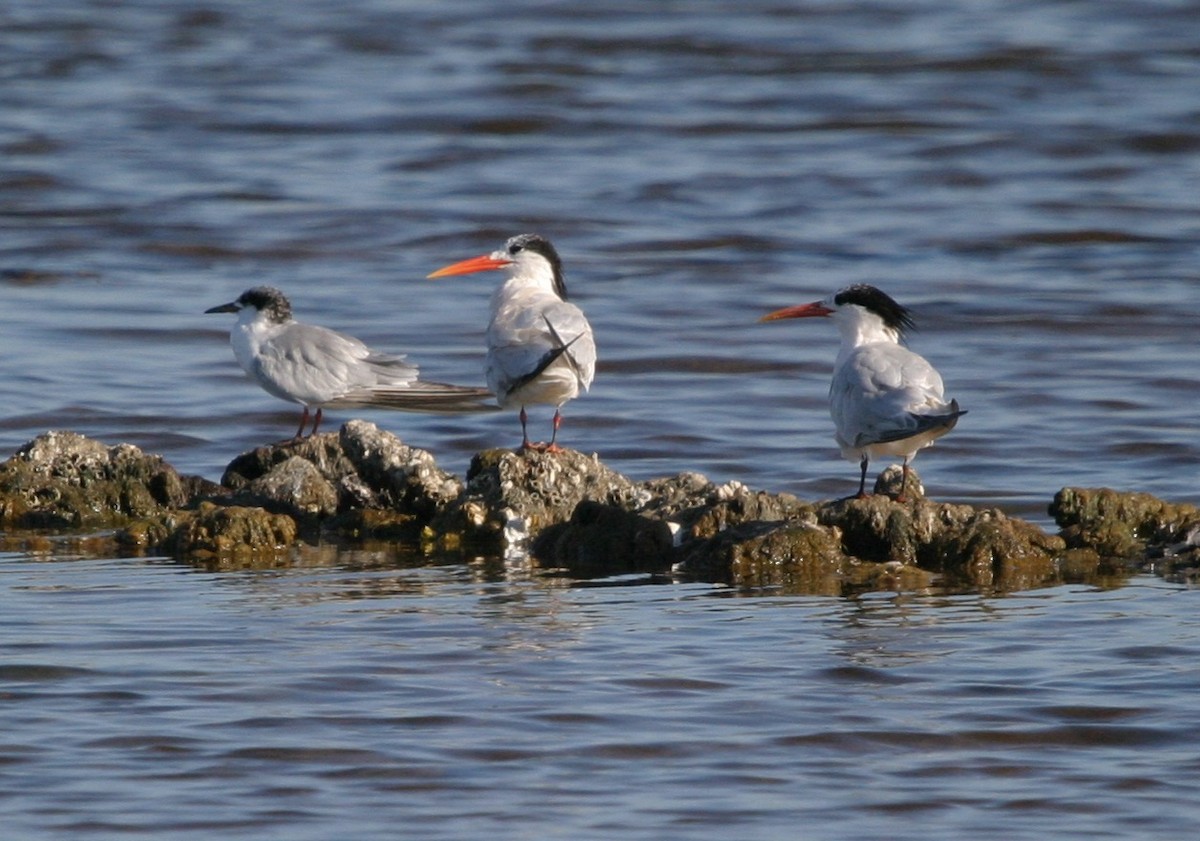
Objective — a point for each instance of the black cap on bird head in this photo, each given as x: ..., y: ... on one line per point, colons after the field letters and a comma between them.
x: 878, y: 302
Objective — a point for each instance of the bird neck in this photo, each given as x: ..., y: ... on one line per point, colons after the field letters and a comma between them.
x: 254, y: 328
x: 528, y: 285
x: 865, y: 328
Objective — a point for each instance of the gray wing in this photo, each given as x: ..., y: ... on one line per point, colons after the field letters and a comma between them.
x: 524, y: 343
x: 886, y: 393
x: 316, y: 365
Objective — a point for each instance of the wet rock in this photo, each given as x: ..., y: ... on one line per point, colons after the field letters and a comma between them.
x: 983, y: 547
x: 573, y: 512
x: 360, y: 468
x: 513, y: 496
x: 733, y: 503
x: 1130, y: 526
x: 990, y: 551
x: 230, y: 532
x: 876, y: 528
x: 322, y: 451
x: 64, y: 480
x: 601, y: 539
x: 296, y: 486
x: 802, y: 554
x: 890, y: 482
x: 398, y: 475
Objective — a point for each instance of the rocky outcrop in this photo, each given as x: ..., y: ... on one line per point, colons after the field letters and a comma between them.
x: 510, y: 497
x: 63, y: 480
x: 568, y: 511
x: 1132, y: 528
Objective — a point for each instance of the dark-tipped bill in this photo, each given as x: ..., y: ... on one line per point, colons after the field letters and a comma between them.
x: 482, y: 263
x: 802, y: 311
x: 232, y: 306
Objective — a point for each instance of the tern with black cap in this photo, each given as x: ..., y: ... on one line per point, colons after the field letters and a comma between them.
x: 540, y: 347
x: 885, y: 400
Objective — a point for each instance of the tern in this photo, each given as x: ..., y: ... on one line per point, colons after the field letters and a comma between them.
x: 540, y: 347
x: 317, y: 367
x: 885, y: 400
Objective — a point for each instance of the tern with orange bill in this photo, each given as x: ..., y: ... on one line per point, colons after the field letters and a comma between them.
x: 885, y: 400
x: 540, y: 347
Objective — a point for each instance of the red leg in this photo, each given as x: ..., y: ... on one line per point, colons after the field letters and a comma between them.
x: 525, y: 445
x: 316, y: 423
x: 553, y: 447
x: 903, y: 481
x: 303, y: 423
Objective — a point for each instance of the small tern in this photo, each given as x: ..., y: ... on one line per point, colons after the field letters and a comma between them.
x: 540, y: 346
x: 885, y: 400
x: 317, y: 367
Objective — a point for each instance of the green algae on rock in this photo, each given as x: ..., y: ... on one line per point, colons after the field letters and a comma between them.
x: 1132, y: 527
x: 231, y: 532
x: 64, y: 480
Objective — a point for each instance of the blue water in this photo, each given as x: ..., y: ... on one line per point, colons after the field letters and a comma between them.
x: 1023, y: 175
x: 433, y: 702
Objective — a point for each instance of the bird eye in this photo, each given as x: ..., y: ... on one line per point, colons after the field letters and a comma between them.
x: 515, y: 249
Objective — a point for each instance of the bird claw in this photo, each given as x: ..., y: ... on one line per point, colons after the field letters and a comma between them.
x: 541, y: 447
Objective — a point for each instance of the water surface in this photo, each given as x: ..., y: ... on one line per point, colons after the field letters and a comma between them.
x: 1023, y: 175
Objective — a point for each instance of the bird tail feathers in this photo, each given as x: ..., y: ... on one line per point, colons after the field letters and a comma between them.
x: 420, y: 396
x: 926, y: 423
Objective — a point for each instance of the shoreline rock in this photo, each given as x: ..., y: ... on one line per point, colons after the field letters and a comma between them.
x: 568, y: 511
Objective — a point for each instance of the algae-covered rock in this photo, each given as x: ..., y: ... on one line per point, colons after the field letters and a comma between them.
x: 733, y: 503
x: 65, y: 480
x: 992, y: 551
x: 981, y: 546
x: 1124, y: 525
x: 801, y: 556
x: 572, y: 512
x: 602, y: 539
x: 230, y: 531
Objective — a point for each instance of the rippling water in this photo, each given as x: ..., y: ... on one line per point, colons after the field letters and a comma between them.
x: 371, y: 701
x: 1024, y: 175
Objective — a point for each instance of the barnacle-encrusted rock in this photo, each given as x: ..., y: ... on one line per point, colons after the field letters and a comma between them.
x: 295, y: 486
x: 1125, y: 525
x: 360, y: 468
x: 568, y: 510
x: 511, y: 496
x: 322, y: 451
x: 399, y: 476
x: 64, y: 480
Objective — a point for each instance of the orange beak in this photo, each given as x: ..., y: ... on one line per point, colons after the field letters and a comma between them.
x: 482, y: 263
x: 802, y: 311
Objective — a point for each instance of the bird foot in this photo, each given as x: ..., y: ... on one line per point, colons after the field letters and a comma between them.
x: 541, y: 447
